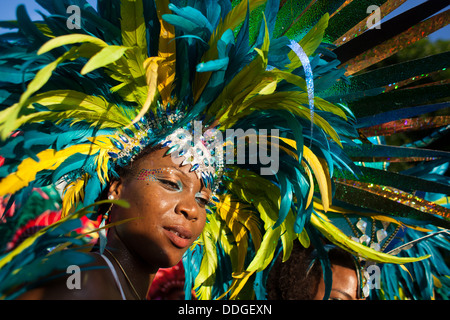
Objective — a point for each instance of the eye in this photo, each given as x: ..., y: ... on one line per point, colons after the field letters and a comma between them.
x: 202, y: 201
x: 170, y: 184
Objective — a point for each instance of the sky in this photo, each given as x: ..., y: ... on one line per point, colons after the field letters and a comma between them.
x: 8, y: 8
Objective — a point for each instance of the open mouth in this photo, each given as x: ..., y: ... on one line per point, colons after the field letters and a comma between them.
x: 179, y: 236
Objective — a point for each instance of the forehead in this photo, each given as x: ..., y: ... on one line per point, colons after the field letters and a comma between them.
x: 158, y: 162
x: 345, y: 279
x: 159, y: 159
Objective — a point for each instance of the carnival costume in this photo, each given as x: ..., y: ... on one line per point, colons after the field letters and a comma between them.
x: 79, y: 103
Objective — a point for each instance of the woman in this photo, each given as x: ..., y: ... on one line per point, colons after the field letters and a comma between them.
x: 84, y: 102
x: 170, y: 214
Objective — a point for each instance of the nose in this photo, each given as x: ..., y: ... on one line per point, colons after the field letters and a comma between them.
x: 188, y: 207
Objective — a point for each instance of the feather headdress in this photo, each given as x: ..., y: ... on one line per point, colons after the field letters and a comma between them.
x: 274, y: 68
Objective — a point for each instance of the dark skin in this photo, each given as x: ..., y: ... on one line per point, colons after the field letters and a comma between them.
x: 170, y: 215
x: 344, y: 286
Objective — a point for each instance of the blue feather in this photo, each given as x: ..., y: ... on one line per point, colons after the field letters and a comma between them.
x: 286, y: 197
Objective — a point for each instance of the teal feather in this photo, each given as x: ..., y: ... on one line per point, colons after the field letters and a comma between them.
x: 322, y: 256
x: 270, y: 18
x: 286, y: 197
x: 27, y: 27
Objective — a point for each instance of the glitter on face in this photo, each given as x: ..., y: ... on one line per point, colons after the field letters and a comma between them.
x: 150, y: 174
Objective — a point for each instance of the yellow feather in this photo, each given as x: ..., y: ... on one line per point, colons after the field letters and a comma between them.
x: 332, y: 233
x: 151, y: 66
x: 166, y: 50
x: 134, y: 35
x: 304, y: 239
x: 374, y: 215
x: 48, y: 160
x: 105, y: 145
x: 73, y: 193
x: 241, y: 221
x: 321, y: 173
x: 104, y: 57
x: 70, y: 39
x: 288, y: 235
x: 323, y: 179
x: 311, y: 184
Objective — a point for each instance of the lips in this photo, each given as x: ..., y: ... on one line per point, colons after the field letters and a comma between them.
x: 179, y: 236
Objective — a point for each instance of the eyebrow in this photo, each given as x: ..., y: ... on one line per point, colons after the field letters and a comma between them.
x: 203, y: 188
x: 183, y: 173
x: 160, y: 170
x: 343, y: 293
x: 143, y: 174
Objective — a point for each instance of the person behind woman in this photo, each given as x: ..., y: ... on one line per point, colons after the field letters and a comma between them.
x: 301, y: 277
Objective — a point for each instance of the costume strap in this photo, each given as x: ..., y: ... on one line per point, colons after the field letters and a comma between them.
x: 114, y: 273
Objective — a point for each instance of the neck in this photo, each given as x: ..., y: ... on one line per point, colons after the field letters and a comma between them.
x: 139, y: 273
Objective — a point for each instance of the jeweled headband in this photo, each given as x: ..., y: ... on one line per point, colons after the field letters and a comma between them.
x: 197, y: 151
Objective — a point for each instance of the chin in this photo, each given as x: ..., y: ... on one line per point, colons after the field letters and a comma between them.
x: 166, y: 258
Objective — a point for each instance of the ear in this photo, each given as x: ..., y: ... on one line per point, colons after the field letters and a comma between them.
x: 115, y: 188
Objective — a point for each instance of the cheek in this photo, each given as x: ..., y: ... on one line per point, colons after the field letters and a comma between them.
x: 148, y: 204
x: 199, y: 225
x: 144, y: 197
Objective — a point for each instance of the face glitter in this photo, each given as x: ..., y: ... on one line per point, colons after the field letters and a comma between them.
x: 150, y: 174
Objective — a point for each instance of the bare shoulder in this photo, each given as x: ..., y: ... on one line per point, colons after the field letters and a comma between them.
x: 90, y: 282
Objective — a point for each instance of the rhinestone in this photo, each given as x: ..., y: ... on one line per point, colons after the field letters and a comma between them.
x: 128, y: 132
x: 366, y: 291
x: 143, y: 120
x: 136, y: 149
x: 172, y: 149
x: 116, y: 143
x: 361, y: 225
x: 375, y: 246
x: 365, y: 239
x: 123, y: 138
x: 195, y: 167
x: 143, y: 141
x: 381, y: 235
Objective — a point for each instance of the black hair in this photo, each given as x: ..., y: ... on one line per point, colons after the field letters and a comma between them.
x: 298, y: 278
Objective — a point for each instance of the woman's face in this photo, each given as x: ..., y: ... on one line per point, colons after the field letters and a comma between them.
x: 169, y: 202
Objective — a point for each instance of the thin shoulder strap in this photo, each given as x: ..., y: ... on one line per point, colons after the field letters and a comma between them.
x: 114, y: 273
